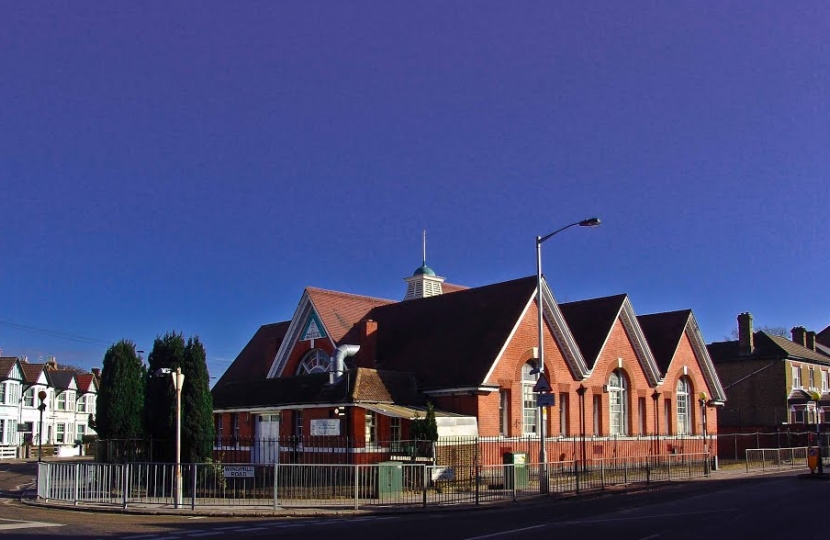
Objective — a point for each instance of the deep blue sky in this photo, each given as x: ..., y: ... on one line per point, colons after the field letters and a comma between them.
x: 192, y: 166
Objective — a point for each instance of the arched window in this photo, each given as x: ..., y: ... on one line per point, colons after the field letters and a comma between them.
x: 314, y: 361
x: 618, y: 402
x: 684, y: 406
x: 529, y: 416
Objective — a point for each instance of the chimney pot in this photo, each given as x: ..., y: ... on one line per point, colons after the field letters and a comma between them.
x: 811, y: 340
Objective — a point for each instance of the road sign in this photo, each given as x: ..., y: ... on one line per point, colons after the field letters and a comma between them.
x: 545, y: 400
x: 542, y: 385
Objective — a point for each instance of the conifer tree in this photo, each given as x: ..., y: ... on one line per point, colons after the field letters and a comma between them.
x: 197, y: 401
x: 120, y: 403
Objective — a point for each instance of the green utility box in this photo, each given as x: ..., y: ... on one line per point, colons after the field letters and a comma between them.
x: 515, y: 472
x: 390, y: 479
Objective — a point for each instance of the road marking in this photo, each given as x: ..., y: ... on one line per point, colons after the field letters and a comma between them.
x: 503, y: 533
x: 655, y: 535
x: 214, y: 533
x: 251, y: 529
x: 229, y: 528
x: 20, y: 524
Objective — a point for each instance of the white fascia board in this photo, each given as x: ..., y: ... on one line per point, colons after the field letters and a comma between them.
x: 276, y: 408
x: 706, y: 364
x: 292, y: 335
x: 641, y: 348
x: 465, y: 390
x: 509, y: 338
x: 562, y: 334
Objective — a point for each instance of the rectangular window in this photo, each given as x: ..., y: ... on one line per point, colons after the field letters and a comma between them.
x: 641, y: 414
x: 811, y: 382
x: 60, y: 401
x: 796, y: 376
x: 825, y: 381
x: 504, y: 406
x: 563, y: 414
x: 2, y: 430
x: 13, y: 392
x: 81, y: 431
x: 70, y: 401
x: 395, y: 433
x: 219, y: 429
x: 60, y: 433
x: 667, y: 416
x: 529, y: 415
x: 2, y: 392
x: 797, y: 414
x: 298, y: 423
x: 597, y: 415
x: 82, y: 404
x: 371, y: 428
x: 235, y: 428
x: 29, y: 397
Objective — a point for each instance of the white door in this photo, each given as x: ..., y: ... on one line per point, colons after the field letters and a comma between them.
x: 266, y: 448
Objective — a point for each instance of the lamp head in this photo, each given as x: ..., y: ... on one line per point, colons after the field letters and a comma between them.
x: 42, y: 395
x: 590, y: 222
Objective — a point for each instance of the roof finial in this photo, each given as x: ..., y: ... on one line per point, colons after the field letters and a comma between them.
x: 425, y: 246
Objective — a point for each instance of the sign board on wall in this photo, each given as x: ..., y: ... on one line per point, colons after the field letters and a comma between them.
x: 238, y: 471
x: 325, y: 427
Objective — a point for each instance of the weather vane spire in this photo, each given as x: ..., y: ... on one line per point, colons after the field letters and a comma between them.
x: 425, y: 246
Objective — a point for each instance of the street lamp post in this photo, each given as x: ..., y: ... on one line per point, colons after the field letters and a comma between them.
x: 42, y: 407
x: 178, y: 383
x: 702, y: 399
x: 543, y: 454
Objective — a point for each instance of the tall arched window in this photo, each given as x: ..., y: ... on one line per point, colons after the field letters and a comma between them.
x: 314, y: 361
x: 618, y: 402
x: 684, y: 406
x: 529, y: 417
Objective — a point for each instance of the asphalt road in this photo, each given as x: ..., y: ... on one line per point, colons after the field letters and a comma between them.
x: 746, y: 507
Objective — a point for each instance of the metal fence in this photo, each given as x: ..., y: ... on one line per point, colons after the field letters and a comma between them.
x: 347, y: 486
x: 764, y: 459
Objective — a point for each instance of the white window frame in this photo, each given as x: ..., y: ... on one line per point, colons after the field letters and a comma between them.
x: 796, y: 376
x: 530, y: 413
x: 618, y: 403
x: 395, y: 433
x: 81, y: 404
x: 29, y: 393
x: 60, y: 433
x: 371, y: 428
x: 683, y: 407
x: 80, y: 431
x: 3, y: 393
x: 60, y: 401
x: 563, y: 414
x: 825, y: 381
x: 504, y: 407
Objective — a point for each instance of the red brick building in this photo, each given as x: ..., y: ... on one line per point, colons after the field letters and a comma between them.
x: 348, y: 374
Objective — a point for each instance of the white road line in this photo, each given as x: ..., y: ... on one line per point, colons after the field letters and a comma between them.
x: 229, y: 528
x: 251, y: 529
x: 214, y: 533
x: 503, y: 533
x: 20, y: 524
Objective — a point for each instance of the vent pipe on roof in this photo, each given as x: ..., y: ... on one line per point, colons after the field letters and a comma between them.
x: 337, y: 365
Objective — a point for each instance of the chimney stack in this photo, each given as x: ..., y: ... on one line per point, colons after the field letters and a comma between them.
x: 811, y: 340
x: 51, y: 363
x: 97, y: 372
x: 746, y: 340
x: 799, y: 335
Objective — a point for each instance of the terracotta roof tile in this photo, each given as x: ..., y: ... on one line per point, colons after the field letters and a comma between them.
x: 31, y: 372
x: 766, y: 347
x: 254, y: 361
x: 6, y: 364
x: 339, y: 311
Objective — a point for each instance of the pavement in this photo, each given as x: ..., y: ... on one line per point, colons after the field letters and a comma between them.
x: 17, y: 480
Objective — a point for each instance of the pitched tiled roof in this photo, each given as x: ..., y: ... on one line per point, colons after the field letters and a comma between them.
x: 85, y: 380
x: 766, y: 347
x: 31, y: 372
x: 253, y: 362
x: 60, y: 378
x: 663, y: 332
x: 451, y: 340
x: 451, y: 288
x: 590, y: 322
x: 6, y: 365
x: 823, y: 337
x: 360, y: 385
x: 340, y: 311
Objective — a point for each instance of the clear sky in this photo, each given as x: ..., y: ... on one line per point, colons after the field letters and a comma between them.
x: 192, y: 166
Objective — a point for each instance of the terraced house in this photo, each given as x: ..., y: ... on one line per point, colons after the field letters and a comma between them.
x: 70, y: 399
x: 769, y: 380
x: 347, y: 376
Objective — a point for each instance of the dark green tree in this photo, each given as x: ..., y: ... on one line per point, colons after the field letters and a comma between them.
x: 426, y: 429
x: 197, y: 401
x: 170, y: 352
x: 120, y: 402
x: 160, y: 396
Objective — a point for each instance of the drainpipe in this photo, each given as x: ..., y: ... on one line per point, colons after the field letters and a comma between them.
x: 337, y: 365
